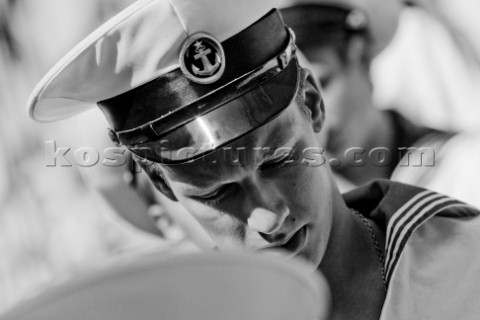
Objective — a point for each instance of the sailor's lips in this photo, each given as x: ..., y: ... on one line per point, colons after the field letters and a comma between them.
x: 290, y: 246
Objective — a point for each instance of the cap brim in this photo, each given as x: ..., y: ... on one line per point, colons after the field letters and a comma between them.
x: 243, y: 113
x: 190, y: 286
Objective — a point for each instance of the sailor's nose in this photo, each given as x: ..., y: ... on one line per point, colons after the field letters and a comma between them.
x: 266, y: 221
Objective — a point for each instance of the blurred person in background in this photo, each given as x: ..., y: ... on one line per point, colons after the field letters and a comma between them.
x: 185, y: 84
x: 364, y: 141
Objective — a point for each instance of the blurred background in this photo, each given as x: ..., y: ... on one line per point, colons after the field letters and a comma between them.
x: 52, y: 224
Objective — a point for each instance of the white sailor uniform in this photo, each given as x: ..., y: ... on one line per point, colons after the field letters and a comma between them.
x: 432, y: 251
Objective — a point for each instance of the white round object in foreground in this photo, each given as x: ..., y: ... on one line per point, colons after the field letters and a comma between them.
x: 200, y: 286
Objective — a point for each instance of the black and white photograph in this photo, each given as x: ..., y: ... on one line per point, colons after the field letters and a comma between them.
x: 239, y: 160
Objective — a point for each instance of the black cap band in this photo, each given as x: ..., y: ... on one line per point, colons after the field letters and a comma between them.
x: 244, y: 52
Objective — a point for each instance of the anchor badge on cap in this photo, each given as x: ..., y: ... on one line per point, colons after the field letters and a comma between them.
x: 202, y: 59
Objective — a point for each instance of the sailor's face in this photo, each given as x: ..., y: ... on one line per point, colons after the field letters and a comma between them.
x: 266, y: 201
x: 345, y: 88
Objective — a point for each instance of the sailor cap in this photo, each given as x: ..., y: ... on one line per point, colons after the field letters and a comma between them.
x: 378, y: 18
x: 171, y: 75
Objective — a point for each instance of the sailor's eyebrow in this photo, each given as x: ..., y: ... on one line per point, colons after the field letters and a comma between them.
x: 277, y: 141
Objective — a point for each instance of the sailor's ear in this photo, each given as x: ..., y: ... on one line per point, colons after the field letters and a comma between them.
x: 313, y: 102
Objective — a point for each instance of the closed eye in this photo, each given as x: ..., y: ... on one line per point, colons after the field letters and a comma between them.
x: 216, y: 196
x: 280, y: 162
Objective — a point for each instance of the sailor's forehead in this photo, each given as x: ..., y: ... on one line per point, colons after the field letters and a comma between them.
x: 266, y: 142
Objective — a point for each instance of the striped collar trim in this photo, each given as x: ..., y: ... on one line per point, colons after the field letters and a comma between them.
x: 407, y: 219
